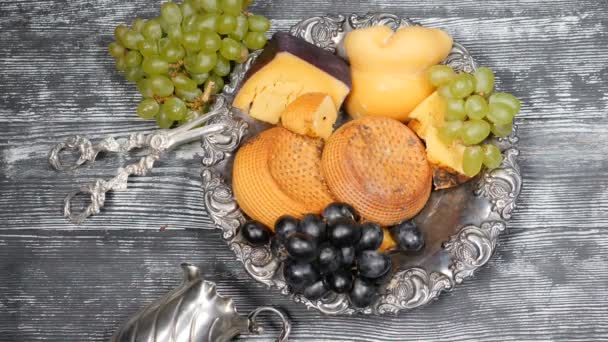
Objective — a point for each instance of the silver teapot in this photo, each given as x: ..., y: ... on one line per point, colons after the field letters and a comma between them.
x: 194, y: 312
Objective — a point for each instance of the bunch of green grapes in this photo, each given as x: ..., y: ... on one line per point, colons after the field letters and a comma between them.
x: 180, y: 58
x: 474, y: 112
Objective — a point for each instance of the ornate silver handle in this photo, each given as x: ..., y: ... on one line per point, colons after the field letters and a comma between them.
x: 255, y: 328
x: 217, y: 136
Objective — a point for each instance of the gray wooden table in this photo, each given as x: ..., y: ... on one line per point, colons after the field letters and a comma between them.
x: 60, y: 282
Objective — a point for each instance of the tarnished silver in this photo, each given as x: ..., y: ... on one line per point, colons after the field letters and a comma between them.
x: 194, y: 312
x: 220, y: 136
x: 462, y: 225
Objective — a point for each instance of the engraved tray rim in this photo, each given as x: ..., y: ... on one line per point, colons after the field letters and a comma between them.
x: 468, y: 250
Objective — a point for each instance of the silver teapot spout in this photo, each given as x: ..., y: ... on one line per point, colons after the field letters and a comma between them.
x: 193, y: 312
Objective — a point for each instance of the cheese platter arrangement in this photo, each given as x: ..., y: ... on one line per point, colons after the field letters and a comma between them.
x: 359, y: 164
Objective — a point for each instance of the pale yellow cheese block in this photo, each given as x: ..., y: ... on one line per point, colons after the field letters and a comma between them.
x: 266, y: 94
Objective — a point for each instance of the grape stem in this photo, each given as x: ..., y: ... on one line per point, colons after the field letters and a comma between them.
x: 200, y: 101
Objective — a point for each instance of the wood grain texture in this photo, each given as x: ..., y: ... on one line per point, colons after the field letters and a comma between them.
x: 61, y: 282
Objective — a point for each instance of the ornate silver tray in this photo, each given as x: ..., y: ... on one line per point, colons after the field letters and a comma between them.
x: 461, y: 225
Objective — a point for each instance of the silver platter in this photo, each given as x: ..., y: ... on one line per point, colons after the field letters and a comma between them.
x: 461, y: 225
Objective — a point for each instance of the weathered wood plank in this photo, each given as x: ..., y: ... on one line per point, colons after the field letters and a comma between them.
x: 103, y: 277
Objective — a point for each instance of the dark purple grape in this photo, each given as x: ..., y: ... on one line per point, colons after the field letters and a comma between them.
x: 338, y: 211
x: 256, y: 233
x: 298, y: 275
x: 372, y: 264
x: 339, y: 281
x: 285, y: 226
x: 347, y: 256
x: 302, y: 247
x: 329, y: 259
x: 371, y: 237
x: 363, y: 293
x: 313, y: 226
x: 278, y: 249
x: 343, y: 233
x: 408, y: 236
x: 315, y: 291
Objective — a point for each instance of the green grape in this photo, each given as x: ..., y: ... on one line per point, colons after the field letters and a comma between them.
x: 199, y: 78
x: 187, y: 8
x: 131, y: 39
x: 163, y: 121
x: 155, y: 65
x: 121, y: 64
x: 455, y: 110
x: 210, y: 6
x: 440, y: 74
x: 152, y: 30
x: 116, y: 50
x: 226, y: 24
x: 244, y: 54
x: 164, y: 43
x: 231, y: 7
x: 502, y: 131
x: 242, y: 26
x: 204, y: 62
x: 218, y: 83
x: 133, y: 58
x: 206, y: 22
x: 173, y: 53
x: 161, y: 85
x: 210, y: 41
x: 230, y: 49
x: 134, y: 74
x: 174, y: 32
x: 484, y: 81
x: 144, y: 88
x: 491, y: 156
x: 190, y: 115
x: 476, y: 107
x: 138, y: 24
x: 170, y: 13
x: 506, y: 99
x: 222, y: 68
x: 474, y: 131
x: 191, y: 41
x: 182, y: 81
x: 255, y: 40
x: 450, y: 131
x: 119, y: 33
x: 462, y: 85
x: 258, y: 23
x: 500, y: 113
x: 147, y: 48
x: 189, y: 24
x: 246, y: 4
x: 174, y: 108
x: 445, y: 91
x: 472, y: 159
x: 189, y: 95
x: 148, y: 108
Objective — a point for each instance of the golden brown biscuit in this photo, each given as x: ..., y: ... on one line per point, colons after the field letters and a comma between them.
x: 379, y: 166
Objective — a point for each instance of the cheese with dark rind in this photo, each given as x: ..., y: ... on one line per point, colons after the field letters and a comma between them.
x: 287, y: 68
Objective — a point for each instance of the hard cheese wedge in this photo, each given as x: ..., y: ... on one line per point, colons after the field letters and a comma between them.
x: 446, y: 160
x: 287, y: 68
x: 312, y: 114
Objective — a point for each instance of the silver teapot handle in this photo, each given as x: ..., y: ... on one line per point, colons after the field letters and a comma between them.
x: 255, y: 328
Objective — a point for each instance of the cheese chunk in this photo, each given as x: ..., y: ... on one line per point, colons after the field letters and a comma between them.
x: 312, y: 114
x: 288, y: 68
x: 388, y: 68
x: 426, y: 119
